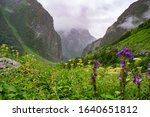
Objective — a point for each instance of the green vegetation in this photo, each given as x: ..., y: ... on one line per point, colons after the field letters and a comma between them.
x: 137, y: 40
x: 36, y: 79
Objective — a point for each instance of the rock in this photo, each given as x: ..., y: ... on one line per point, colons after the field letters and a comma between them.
x: 6, y: 63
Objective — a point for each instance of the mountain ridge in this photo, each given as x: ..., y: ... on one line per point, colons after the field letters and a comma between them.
x: 34, y: 27
x: 129, y: 19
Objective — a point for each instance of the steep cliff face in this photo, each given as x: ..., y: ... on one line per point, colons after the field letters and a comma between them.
x: 74, y: 41
x: 136, y: 14
x: 33, y: 27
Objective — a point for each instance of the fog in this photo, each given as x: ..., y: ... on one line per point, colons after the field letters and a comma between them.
x: 94, y: 15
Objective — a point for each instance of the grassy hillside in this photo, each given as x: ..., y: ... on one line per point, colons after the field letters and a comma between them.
x: 83, y: 78
x: 35, y: 79
x: 137, y: 40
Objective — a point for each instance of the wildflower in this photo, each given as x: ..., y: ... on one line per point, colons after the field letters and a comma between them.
x: 125, y: 53
x: 148, y: 72
x: 129, y: 55
x: 123, y: 64
x: 93, y: 78
x: 148, y: 65
x: 119, y: 75
x: 136, y: 79
x: 96, y: 65
x: 140, y: 76
x: 120, y: 53
x: 126, y: 50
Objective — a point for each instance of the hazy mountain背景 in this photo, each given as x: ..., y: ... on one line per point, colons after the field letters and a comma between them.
x: 136, y: 14
x: 118, y: 68
x: 74, y: 41
x: 27, y: 26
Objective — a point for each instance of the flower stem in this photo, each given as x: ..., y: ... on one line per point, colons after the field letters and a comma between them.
x: 94, y: 87
x: 138, y: 92
x: 123, y: 83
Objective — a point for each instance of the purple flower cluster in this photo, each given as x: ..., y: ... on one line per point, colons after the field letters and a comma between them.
x: 148, y: 65
x: 148, y: 72
x: 125, y: 53
x: 136, y: 79
x: 96, y: 65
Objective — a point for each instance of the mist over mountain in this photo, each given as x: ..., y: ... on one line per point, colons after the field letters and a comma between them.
x: 74, y: 41
x: 27, y: 26
x: 133, y: 16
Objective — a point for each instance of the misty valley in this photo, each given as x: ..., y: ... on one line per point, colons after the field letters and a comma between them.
x: 41, y: 62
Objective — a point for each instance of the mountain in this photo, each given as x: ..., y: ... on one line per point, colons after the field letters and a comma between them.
x: 133, y: 16
x: 74, y: 41
x: 137, y: 40
x: 27, y: 26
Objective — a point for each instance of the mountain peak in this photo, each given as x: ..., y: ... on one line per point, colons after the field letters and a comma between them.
x: 74, y: 41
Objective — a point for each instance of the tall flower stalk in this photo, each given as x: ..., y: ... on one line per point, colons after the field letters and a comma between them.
x: 124, y: 54
x: 137, y: 79
x: 94, y: 75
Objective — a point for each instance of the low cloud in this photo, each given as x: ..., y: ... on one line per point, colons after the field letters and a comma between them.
x: 147, y: 13
x: 130, y: 23
x: 94, y: 15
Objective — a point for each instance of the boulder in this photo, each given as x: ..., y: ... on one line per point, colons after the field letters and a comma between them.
x: 7, y: 63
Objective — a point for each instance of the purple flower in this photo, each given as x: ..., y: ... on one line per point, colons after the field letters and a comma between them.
x: 97, y: 63
x: 93, y: 77
x: 126, y: 53
x: 136, y: 79
x: 126, y: 50
x: 120, y: 53
x: 129, y: 55
x: 140, y: 76
x: 123, y: 64
x: 148, y: 72
x: 119, y: 76
x: 148, y: 65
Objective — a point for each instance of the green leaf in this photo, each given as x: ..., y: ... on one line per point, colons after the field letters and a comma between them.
x: 10, y: 88
x: 107, y: 96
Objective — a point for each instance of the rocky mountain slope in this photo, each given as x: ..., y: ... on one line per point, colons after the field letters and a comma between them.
x: 137, y: 41
x: 129, y: 19
x: 74, y: 41
x: 27, y: 26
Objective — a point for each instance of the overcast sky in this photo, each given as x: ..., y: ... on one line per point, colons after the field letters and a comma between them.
x: 94, y: 15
